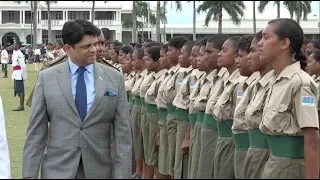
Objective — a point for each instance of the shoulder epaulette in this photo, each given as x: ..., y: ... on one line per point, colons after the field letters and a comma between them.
x: 58, y: 60
x: 105, y: 62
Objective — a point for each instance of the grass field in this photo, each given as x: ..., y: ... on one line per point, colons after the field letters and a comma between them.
x: 16, y: 122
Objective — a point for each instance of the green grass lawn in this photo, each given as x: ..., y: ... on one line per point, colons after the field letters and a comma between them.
x: 16, y: 122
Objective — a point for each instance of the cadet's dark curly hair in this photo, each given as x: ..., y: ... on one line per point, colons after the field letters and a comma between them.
x: 234, y: 40
x: 189, y: 46
x: 217, y: 40
x: 140, y: 53
x: 165, y: 48
x: 202, y: 42
x: 154, y: 53
x: 126, y: 49
x: 244, y: 43
x: 177, y: 42
x: 258, y: 36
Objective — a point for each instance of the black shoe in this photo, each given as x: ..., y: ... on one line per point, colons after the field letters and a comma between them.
x: 19, y: 109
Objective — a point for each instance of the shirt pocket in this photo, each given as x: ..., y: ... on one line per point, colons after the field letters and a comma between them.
x: 279, y: 117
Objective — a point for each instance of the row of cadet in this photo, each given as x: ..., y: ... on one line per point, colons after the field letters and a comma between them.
x: 225, y: 107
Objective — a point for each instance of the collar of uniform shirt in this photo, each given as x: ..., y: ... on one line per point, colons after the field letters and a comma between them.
x: 318, y: 79
x: 266, y: 78
x: 74, y: 68
x: 233, y: 77
x: 211, y: 76
x: 253, y: 77
x: 289, y: 71
x: 160, y: 73
x: 175, y: 69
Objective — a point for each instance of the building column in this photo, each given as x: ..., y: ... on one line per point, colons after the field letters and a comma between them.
x: 39, y: 38
x: 24, y: 17
x: 67, y: 18
x: 119, y: 34
x: 90, y: 15
x: 20, y: 17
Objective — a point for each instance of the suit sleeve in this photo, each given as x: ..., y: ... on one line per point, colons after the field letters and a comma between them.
x: 4, y: 150
x: 122, y: 136
x: 36, y: 132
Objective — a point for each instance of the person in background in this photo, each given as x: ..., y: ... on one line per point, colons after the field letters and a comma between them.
x: 37, y: 53
x: 311, y: 46
x: 26, y: 53
x: 4, y: 61
x: 59, y: 52
x: 4, y: 150
x: 19, y: 74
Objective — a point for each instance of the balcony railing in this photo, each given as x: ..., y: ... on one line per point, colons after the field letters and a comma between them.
x: 53, y: 22
x: 106, y: 22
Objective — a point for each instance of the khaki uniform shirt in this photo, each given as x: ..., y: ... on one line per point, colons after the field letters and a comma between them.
x: 182, y: 99
x: 139, y: 78
x: 152, y: 92
x: 224, y: 108
x: 239, y: 123
x: 146, y: 83
x: 291, y: 103
x: 129, y: 81
x: 195, y: 79
x: 253, y: 114
x: 216, y: 89
x: 161, y: 100
x: 203, y: 96
x: 173, y: 84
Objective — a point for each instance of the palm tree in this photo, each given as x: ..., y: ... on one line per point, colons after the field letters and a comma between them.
x: 194, y: 21
x: 92, y: 10
x: 141, y: 13
x: 158, y: 22
x: 299, y: 8
x: 134, y: 22
x: 214, y: 11
x: 50, y: 38
x: 254, y: 18
x: 262, y: 6
x: 178, y: 8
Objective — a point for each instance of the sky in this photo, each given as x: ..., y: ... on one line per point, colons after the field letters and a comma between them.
x: 185, y: 17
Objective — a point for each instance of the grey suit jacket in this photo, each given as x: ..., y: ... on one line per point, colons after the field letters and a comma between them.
x: 57, y: 138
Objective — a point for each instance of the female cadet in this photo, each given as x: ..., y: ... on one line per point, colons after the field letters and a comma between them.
x: 129, y: 80
x: 290, y: 117
x: 224, y: 109
x: 209, y: 129
x: 244, y: 95
x: 195, y: 75
x: 181, y: 102
x: 172, y: 87
x: 123, y: 52
x: 140, y: 67
x: 144, y: 126
x: 314, y: 68
x: 193, y: 113
x: 153, y: 65
x: 114, y: 57
x: 258, y: 152
x: 162, y: 111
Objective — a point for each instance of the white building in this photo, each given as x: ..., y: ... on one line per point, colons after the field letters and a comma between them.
x: 15, y: 21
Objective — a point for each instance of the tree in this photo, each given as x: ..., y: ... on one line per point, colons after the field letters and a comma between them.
x: 158, y: 22
x: 141, y: 9
x: 299, y: 8
x: 92, y: 10
x: 50, y: 38
x: 214, y: 11
x: 262, y: 6
x: 134, y: 22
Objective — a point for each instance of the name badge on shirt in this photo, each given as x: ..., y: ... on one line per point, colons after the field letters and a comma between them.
x: 239, y: 94
x: 180, y: 81
x: 307, y: 100
x: 192, y: 84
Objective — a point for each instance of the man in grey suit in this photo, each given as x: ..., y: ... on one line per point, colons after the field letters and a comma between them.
x: 74, y: 105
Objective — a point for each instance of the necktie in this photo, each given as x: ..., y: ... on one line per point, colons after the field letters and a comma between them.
x: 81, y: 94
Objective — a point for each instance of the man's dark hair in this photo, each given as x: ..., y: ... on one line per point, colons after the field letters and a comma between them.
x: 106, y: 33
x: 151, y: 44
x: 126, y: 49
x: 177, y: 42
x: 133, y: 44
x: 19, y: 44
x: 73, y: 31
x: 140, y: 53
x: 138, y: 46
x: 148, y: 40
x: 117, y: 49
x: 117, y: 43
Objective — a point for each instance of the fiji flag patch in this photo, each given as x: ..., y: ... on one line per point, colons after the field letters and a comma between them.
x: 307, y: 100
x: 239, y: 94
x: 192, y: 84
x: 180, y: 81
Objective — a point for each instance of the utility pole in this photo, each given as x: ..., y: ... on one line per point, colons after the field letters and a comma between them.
x: 149, y: 36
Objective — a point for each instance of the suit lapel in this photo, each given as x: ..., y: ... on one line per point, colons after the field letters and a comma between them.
x: 65, y: 85
x: 99, y: 85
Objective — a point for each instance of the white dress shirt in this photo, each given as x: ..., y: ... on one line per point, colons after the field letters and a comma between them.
x: 18, y: 60
x: 4, y: 57
x: 37, y: 52
x: 4, y: 150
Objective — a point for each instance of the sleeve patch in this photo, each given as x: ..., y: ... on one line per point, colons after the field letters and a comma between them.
x: 307, y: 100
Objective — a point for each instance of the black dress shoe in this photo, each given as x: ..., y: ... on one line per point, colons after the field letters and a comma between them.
x: 19, y: 109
